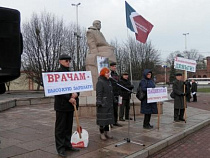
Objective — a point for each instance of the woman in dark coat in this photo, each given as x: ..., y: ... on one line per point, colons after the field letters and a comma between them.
x: 104, y: 103
x: 147, y: 108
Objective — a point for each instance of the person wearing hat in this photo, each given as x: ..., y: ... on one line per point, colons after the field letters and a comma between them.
x: 104, y: 104
x: 126, y: 95
x: 114, y: 80
x: 64, y: 108
x: 178, y: 89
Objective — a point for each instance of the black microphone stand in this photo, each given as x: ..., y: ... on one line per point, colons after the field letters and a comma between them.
x: 127, y: 140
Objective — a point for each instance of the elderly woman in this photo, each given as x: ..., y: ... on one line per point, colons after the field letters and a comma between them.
x: 104, y: 103
x: 147, y: 108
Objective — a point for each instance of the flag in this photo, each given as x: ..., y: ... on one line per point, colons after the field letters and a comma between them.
x: 137, y: 24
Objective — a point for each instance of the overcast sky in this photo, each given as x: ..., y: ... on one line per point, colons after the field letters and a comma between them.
x: 171, y: 18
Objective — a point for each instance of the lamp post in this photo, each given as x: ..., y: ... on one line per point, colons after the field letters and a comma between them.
x: 77, y: 34
x: 165, y: 66
x: 185, y: 34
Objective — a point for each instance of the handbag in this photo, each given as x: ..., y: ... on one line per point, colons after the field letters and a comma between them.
x: 172, y: 95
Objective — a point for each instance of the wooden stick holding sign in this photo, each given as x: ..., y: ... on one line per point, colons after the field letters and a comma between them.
x: 158, y: 107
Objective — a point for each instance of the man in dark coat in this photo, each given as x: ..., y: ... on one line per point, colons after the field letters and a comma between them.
x: 188, y: 92
x: 64, y: 108
x: 104, y: 103
x: 194, y: 90
x: 147, y: 108
x: 126, y: 95
x: 114, y: 80
x: 178, y: 89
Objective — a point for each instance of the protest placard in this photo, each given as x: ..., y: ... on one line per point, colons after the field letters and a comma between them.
x: 56, y: 83
x: 158, y: 94
x: 184, y: 64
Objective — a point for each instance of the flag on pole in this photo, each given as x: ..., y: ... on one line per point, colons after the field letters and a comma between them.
x: 136, y: 23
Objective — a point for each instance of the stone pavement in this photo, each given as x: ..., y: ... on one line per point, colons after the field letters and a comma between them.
x: 195, y: 145
x: 28, y: 132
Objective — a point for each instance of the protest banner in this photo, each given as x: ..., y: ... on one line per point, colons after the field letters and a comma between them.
x: 185, y: 64
x: 56, y: 83
x: 158, y: 94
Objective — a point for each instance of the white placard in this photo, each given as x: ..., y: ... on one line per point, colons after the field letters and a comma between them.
x: 56, y: 83
x: 158, y: 94
x: 102, y: 62
x: 185, y: 64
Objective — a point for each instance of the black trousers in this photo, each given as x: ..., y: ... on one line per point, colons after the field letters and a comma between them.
x: 115, y: 107
x: 147, y: 118
x: 104, y: 128
x: 178, y: 114
x: 195, y: 97
x: 125, y: 108
x: 63, y: 129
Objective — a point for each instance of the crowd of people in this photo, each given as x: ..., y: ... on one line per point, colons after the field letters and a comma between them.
x: 110, y: 89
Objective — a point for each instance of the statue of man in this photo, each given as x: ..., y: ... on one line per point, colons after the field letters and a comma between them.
x: 95, y: 38
x: 98, y: 46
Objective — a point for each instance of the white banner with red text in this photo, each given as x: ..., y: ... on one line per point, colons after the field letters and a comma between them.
x: 158, y: 94
x: 56, y: 83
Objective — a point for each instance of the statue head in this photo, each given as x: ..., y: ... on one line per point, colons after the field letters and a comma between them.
x: 97, y: 24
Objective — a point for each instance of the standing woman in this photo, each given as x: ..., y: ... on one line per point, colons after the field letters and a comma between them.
x: 147, y: 108
x: 104, y: 103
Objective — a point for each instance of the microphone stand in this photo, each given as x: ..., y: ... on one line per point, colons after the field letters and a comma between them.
x: 127, y: 140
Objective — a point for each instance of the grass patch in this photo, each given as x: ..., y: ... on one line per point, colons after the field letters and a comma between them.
x: 206, y: 90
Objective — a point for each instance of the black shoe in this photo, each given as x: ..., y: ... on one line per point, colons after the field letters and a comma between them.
x: 62, y: 153
x: 147, y: 127
x: 121, y: 119
x: 117, y: 124
x: 151, y: 126
x: 128, y: 119
x: 176, y: 120
x: 181, y: 119
x: 72, y: 149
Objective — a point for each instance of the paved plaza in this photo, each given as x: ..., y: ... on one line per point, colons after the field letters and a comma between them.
x: 28, y: 132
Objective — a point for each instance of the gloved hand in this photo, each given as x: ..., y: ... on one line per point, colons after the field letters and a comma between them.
x: 98, y: 105
x: 183, y: 94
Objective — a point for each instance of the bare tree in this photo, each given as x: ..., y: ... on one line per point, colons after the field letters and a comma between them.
x: 143, y: 56
x: 43, y: 40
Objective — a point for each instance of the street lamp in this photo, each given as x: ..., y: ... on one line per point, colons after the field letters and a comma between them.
x: 185, y: 34
x: 77, y: 33
x: 165, y: 66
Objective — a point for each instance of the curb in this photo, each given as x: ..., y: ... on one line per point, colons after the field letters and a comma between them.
x: 168, y: 141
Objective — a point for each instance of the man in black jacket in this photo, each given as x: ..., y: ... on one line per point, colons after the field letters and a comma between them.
x: 64, y: 113
x: 114, y: 80
x: 194, y: 90
x: 126, y: 95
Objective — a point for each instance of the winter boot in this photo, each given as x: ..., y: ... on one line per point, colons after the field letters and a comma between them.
x: 102, y: 136
x: 107, y: 135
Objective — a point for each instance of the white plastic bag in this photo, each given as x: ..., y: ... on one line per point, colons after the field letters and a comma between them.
x: 80, y: 143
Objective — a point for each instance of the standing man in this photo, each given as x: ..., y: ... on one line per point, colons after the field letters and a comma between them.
x: 194, y: 90
x: 116, y: 89
x: 178, y: 89
x: 64, y: 113
x: 126, y: 95
x: 188, y: 92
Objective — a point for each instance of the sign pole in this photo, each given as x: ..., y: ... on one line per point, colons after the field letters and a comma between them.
x: 158, y: 104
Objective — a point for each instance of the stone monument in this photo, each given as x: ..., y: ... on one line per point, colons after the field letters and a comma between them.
x: 97, y: 47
